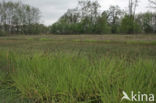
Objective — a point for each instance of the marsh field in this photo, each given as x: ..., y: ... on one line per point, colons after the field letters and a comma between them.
x: 76, y: 68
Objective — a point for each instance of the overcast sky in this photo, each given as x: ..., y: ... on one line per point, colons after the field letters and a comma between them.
x: 52, y: 9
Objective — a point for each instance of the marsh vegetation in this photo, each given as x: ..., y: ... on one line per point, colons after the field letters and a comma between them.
x: 52, y: 69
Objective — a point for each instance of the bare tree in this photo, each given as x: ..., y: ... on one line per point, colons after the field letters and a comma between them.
x: 114, y: 14
x: 89, y: 9
x: 132, y: 7
x: 15, y: 15
x: 153, y: 3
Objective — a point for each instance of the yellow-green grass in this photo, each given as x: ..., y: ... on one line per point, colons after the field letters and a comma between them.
x: 75, y: 69
x: 72, y: 78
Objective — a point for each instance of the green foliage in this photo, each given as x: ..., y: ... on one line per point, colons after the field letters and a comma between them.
x: 86, y: 26
x: 114, y: 20
x: 34, y: 29
x: 129, y: 25
x: 102, y: 26
x: 52, y: 69
x: 20, y: 18
x: 74, y: 78
x: 2, y: 33
x: 147, y: 23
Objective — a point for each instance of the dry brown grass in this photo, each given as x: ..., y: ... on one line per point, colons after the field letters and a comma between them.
x: 83, y: 37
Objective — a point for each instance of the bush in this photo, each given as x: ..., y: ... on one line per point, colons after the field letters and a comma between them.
x: 2, y: 33
x: 129, y: 25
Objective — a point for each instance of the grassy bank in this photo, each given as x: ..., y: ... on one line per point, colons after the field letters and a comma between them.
x: 72, y: 78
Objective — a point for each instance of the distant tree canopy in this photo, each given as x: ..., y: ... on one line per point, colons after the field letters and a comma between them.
x: 18, y: 18
x: 86, y: 19
x: 82, y: 19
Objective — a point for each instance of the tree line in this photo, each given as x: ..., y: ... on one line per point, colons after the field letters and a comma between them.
x: 19, y: 18
x: 85, y: 18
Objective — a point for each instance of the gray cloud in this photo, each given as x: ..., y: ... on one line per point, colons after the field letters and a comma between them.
x: 53, y: 9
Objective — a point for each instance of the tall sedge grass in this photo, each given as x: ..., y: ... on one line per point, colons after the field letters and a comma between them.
x: 71, y: 78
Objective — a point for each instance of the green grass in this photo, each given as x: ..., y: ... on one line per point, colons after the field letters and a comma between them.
x: 64, y: 78
x: 44, y: 39
x: 42, y: 69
